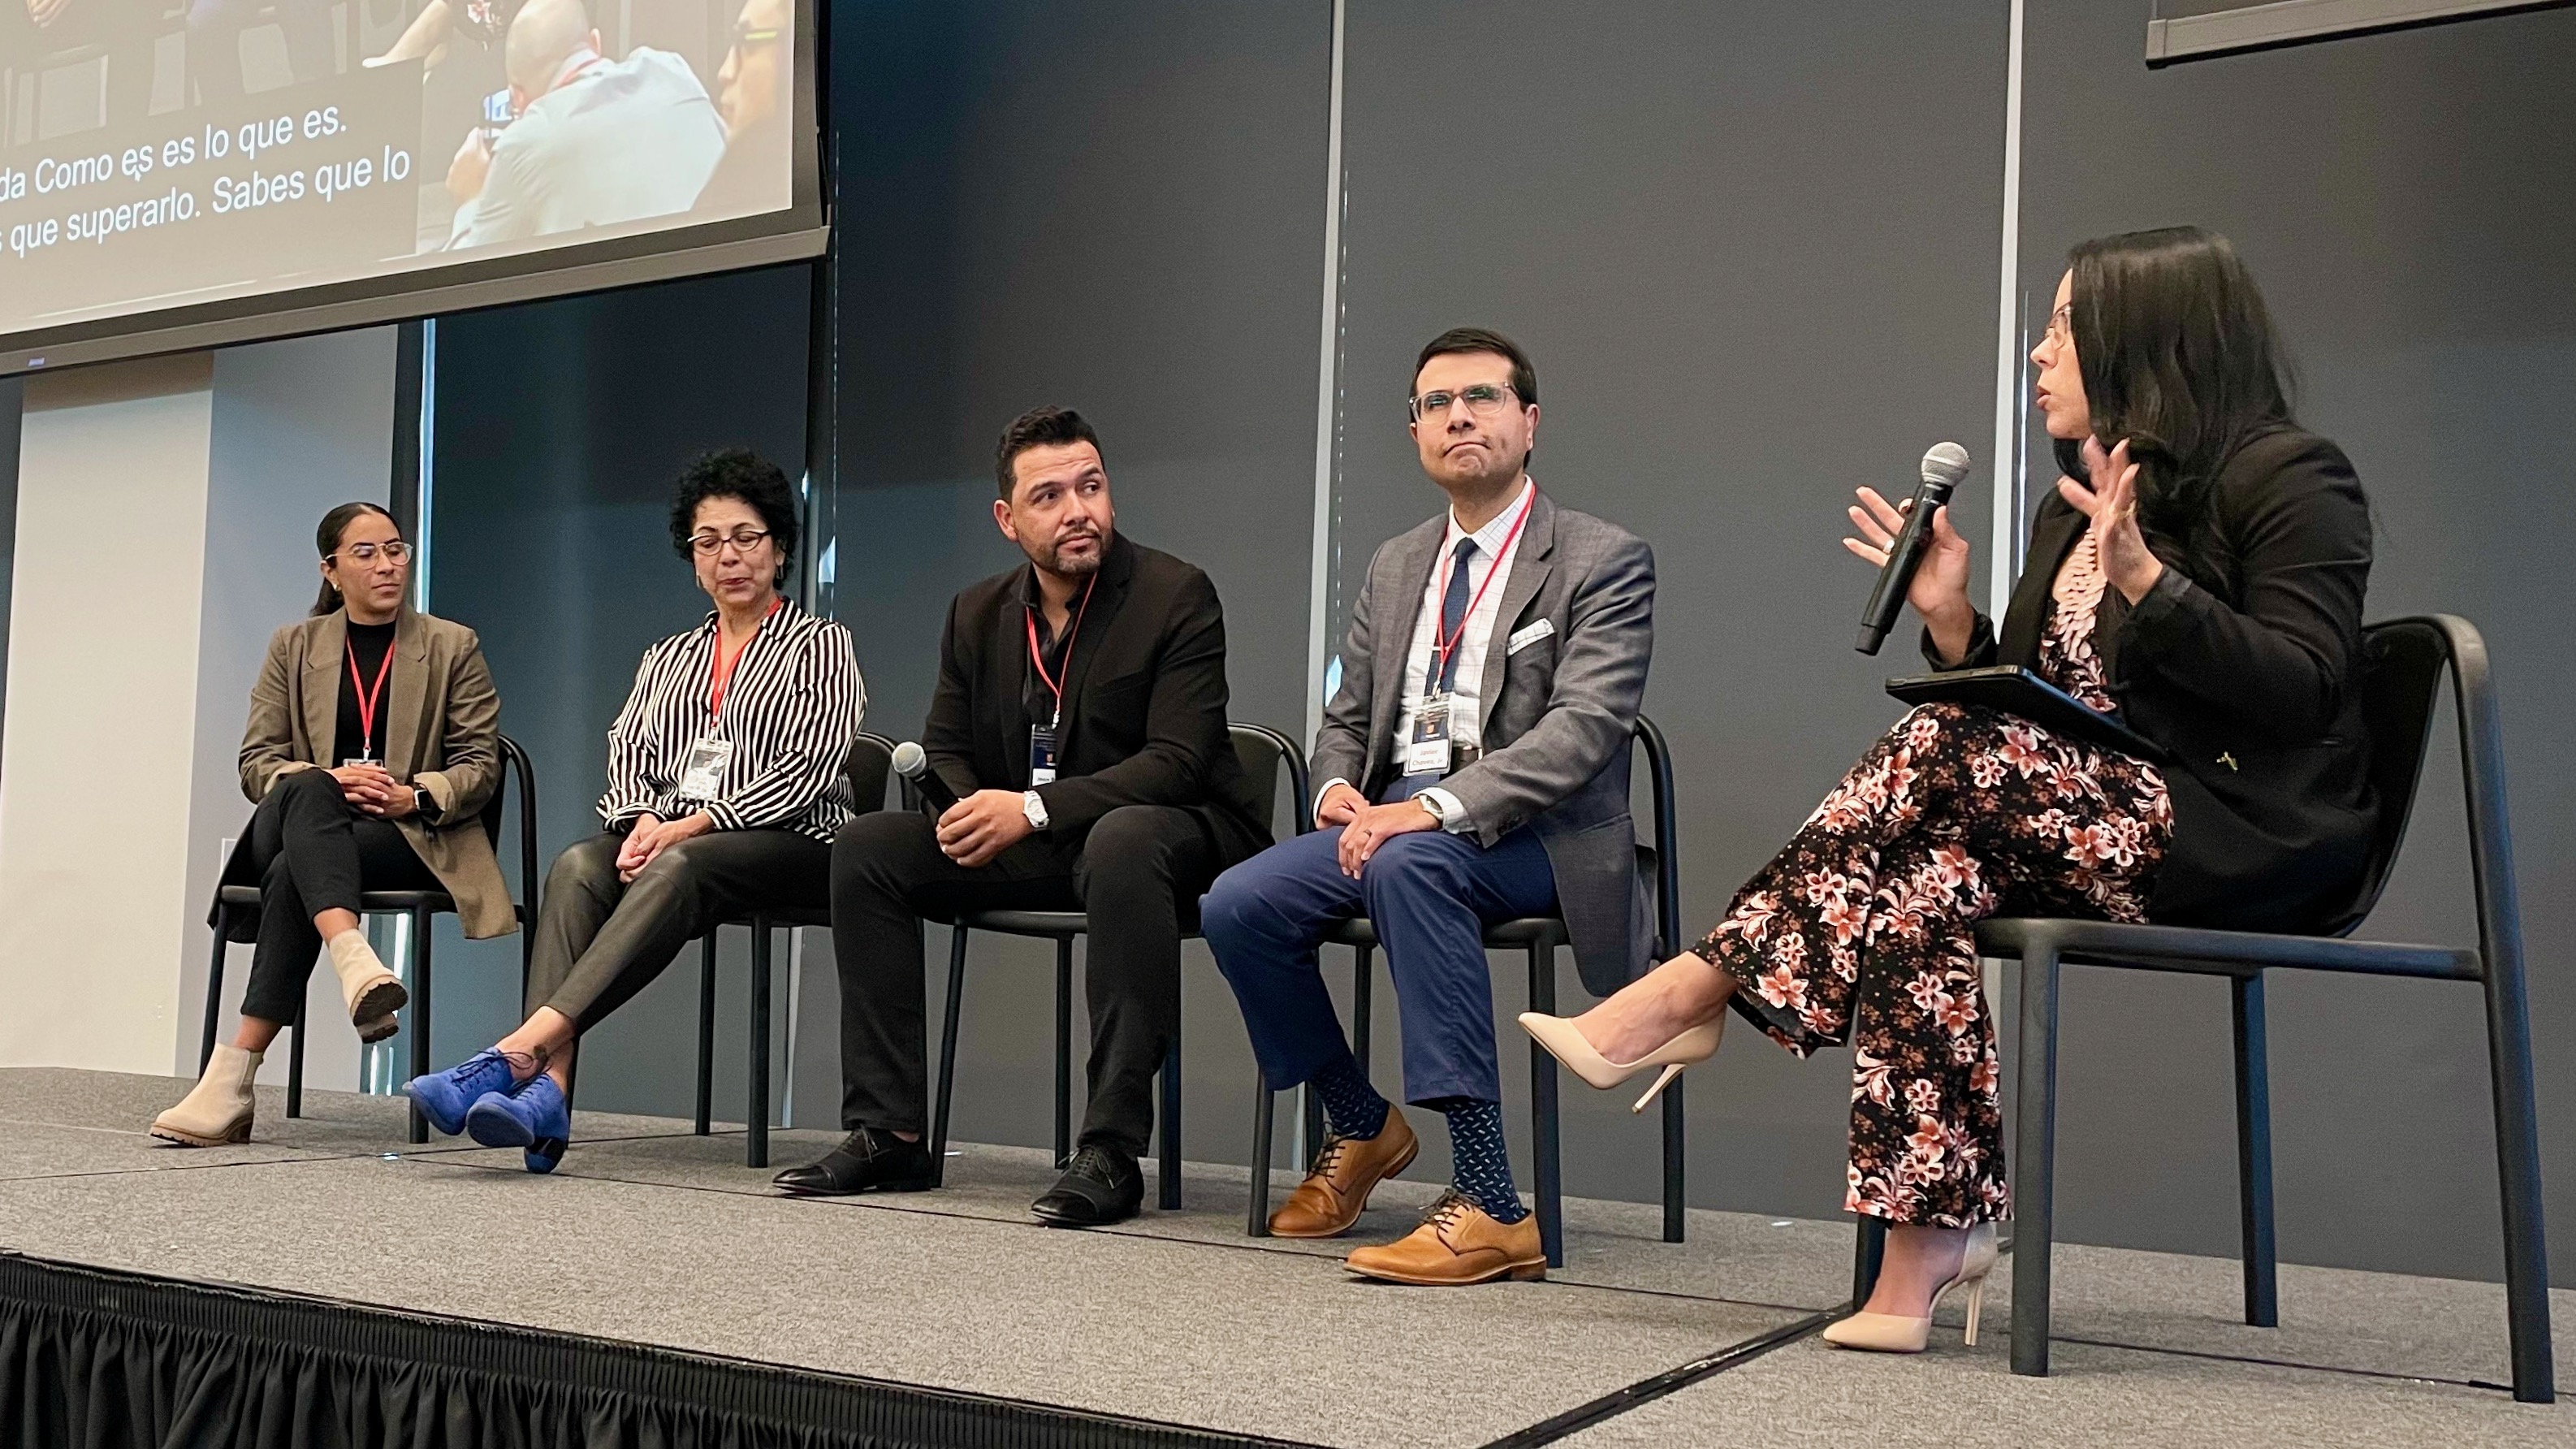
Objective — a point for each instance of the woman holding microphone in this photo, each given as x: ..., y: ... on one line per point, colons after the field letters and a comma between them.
x: 374, y: 741
x: 2199, y: 572
x: 726, y: 783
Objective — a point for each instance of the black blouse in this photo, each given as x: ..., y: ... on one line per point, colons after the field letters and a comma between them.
x: 370, y: 643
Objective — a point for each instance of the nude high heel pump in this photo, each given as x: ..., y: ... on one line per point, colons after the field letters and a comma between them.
x: 1567, y: 1045
x: 1895, y: 1333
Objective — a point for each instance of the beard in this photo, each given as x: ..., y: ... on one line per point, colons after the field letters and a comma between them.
x: 1056, y: 563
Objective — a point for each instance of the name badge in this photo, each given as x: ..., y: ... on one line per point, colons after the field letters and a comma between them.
x: 1041, y: 756
x: 363, y: 760
x: 702, y: 777
x: 1426, y: 750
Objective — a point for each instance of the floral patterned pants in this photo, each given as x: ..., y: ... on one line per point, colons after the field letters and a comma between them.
x: 1863, y: 930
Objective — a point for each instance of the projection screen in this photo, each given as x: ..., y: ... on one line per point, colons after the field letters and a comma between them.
x: 185, y: 173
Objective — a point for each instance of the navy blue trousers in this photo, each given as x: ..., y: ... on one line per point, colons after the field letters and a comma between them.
x: 1430, y: 894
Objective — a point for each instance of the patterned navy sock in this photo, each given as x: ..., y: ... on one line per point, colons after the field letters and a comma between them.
x: 1480, y: 1166
x: 1351, y: 1105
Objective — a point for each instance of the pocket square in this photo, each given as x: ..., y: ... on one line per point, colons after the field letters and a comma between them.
x: 1523, y: 638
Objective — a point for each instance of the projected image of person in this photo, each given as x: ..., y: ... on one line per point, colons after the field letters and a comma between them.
x: 751, y: 94
x: 373, y: 744
x: 594, y: 142
x: 727, y: 779
x: 2199, y: 570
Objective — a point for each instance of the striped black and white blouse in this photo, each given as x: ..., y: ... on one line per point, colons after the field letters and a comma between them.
x: 792, y: 710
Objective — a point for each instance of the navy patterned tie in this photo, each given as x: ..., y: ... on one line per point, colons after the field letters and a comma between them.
x: 1453, y: 613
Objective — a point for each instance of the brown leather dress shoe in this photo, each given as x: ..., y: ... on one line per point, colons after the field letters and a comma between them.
x: 1346, y: 1171
x: 1457, y: 1244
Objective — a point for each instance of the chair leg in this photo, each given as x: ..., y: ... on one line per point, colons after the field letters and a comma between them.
x: 2254, y: 1155
x: 214, y: 998
x: 756, y: 1141
x: 1363, y: 977
x: 1063, y: 1050
x: 419, y: 1009
x: 706, y: 1030
x: 1551, y: 1207
x: 295, y: 1065
x: 2526, y: 1259
x: 2035, y: 1147
x: 1676, y: 1198
x: 947, y: 1057
x: 1170, y: 1127
x: 1869, y: 1251
x: 1257, y: 1219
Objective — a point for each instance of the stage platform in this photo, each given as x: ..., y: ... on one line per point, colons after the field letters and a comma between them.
x: 650, y: 1235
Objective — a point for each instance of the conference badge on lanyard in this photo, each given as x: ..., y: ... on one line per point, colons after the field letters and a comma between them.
x: 1426, y: 750
x: 1042, y: 737
x: 703, y: 770
x: 369, y: 697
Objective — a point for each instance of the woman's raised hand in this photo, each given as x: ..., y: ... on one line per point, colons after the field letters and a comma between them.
x: 2112, y: 504
x: 1939, y: 591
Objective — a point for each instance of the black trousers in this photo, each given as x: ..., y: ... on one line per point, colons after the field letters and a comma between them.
x: 600, y: 940
x: 312, y: 853
x: 1137, y: 866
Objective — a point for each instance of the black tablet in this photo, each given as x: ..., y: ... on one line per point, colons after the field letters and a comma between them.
x: 2013, y: 690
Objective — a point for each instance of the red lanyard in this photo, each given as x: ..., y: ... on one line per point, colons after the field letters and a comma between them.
x: 1037, y: 658
x: 1442, y: 647
x: 720, y: 669
x: 368, y: 696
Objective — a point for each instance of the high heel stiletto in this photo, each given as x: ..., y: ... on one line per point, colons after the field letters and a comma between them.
x: 1895, y: 1333
x: 1563, y: 1042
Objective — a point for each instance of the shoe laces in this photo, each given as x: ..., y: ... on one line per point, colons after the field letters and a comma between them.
x: 1093, y: 1161
x: 1451, y: 1210
x: 1329, y: 1156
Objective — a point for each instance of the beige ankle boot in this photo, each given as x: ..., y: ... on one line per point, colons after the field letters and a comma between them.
x: 218, y: 1109
x: 373, y: 993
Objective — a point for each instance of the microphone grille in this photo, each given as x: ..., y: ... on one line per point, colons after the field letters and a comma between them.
x: 910, y: 760
x: 1946, y: 464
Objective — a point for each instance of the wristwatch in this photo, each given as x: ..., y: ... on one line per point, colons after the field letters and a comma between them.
x: 1432, y: 807
x: 421, y: 802
x: 1034, y: 807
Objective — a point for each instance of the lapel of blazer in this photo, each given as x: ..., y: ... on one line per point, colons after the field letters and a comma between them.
x: 1117, y: 571
x: 1531, y: 564
x: 1408, y: 569
x: 2050, y: 541
x: 407, y: 700
x: 326, y: 647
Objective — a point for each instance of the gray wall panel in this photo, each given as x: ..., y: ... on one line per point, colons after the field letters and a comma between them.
x: 2404, y: 200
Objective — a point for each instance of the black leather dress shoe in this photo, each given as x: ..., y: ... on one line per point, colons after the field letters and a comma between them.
x: 1099, y: 1187
x: 869, y: 1160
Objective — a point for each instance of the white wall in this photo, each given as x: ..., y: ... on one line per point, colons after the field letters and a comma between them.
x: 97, y: 761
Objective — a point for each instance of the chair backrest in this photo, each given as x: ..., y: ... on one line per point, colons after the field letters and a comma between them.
x: 1264, y: 753
x: 871, y: 763
x: 1658, y: 861
x: 515, y: 759
x: 2401, y: 674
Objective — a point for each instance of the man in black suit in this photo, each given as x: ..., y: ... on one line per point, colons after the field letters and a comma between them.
x: 1080, y: 718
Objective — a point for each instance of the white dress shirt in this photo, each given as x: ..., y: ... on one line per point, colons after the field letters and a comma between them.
x: 1489, y: 572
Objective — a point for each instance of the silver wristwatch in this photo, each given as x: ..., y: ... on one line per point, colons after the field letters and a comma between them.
x: 1432, y: 807
x: 1035, y: 808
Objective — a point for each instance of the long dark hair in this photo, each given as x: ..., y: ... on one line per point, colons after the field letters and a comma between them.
x: 2180, y: 359
x: 326, y: 540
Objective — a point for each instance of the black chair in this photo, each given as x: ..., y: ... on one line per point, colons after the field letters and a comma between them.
x: 2402, y: 669
x: 1262, y: 751
x: 420, y: 906
x: 871, y: 762
x: 1539, y: 937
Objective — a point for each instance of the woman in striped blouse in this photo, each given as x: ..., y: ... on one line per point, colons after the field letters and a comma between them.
x: 726, y: 784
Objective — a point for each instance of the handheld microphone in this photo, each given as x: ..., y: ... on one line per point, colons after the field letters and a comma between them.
x: 911, y: 762
x: 1943, y: 466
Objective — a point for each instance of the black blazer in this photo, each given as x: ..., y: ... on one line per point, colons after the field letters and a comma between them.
x: 2249, y: 679
x: 1144, y: 701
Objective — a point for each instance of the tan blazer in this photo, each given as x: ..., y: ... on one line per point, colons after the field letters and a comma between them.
x: 442, y: 734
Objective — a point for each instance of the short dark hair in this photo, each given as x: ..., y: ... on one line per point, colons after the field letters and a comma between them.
x: 744, y: 474
x: 1482, y: 339
x: 1047, y: 427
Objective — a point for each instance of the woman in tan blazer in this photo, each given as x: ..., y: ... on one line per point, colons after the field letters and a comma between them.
x: 373, y: 745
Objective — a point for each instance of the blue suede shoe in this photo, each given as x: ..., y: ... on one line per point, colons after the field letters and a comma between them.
x: 445, y: 1097
x: 535, y: 1117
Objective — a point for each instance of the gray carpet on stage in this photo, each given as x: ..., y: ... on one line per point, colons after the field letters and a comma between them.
x: 651, y: 1234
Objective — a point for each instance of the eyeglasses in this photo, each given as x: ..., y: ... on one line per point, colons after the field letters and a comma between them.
x: 743, y: 539
x: 2061, y: 325
x: 366, y: 553
x: 747, y: 34
x: 1483, y: 399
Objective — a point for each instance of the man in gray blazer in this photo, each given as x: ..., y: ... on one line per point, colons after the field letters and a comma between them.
x: 1476, y: 768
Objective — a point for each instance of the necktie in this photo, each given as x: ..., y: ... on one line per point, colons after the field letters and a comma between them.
x: 1453, y: 613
